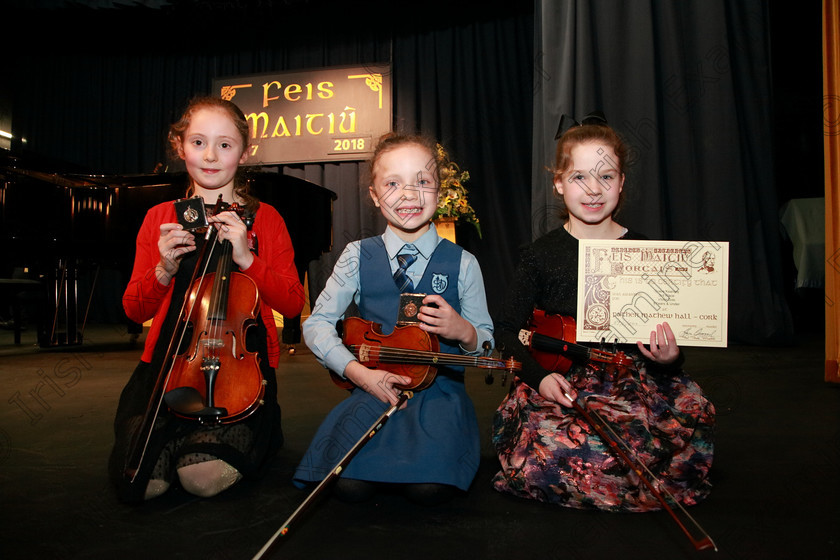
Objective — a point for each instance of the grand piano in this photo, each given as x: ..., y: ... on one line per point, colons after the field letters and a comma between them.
x: 61, y: 230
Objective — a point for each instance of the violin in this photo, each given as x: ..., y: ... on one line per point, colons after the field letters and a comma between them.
x: 551, y: 341
x: 215, y: 379
x: 408, y: 351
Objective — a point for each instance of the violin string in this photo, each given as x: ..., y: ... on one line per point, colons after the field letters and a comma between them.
x: 407, y: 355
x: 224, y: 292
x: 410, y: 355
x: 195, y: 300
x: 214, y: 313
x: 414, y: 357
x: 222, y: 288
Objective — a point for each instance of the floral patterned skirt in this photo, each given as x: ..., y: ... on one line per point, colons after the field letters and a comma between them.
x: 550, y: 453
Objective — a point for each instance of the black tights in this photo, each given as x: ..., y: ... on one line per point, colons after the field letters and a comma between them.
x: 423, y: 493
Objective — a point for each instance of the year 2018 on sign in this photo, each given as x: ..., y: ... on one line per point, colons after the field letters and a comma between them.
x: 343, y: 145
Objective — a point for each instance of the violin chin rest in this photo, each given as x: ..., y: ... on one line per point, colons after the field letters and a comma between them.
x: 187, y: 401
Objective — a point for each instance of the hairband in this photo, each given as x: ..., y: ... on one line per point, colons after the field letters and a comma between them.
x: 567, y: 122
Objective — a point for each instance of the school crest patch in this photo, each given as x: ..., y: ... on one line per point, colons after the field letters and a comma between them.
x: 439, y: 282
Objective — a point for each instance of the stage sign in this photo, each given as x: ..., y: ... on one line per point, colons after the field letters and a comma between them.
x: 328, y: 114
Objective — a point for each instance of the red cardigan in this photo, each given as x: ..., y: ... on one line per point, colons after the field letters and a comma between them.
x: 273, y: 271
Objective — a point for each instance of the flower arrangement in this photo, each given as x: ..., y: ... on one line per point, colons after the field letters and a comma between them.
x: 453, y: 202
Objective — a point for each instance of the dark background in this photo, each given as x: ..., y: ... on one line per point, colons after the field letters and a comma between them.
x: 93, y: 86
x: 95, y: 90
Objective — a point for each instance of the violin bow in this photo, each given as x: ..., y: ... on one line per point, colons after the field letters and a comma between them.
x: 612, y: 439
x: 136, y: 454
x: 335, y: 472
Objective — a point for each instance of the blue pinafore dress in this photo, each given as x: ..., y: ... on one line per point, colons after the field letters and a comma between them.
x: 435, y: 438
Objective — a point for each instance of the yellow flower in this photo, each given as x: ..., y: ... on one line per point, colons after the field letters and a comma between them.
x: 453, y: 195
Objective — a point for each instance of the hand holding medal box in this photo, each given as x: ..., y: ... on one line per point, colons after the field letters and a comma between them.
x: 626, y: 288
x: 409, y: 308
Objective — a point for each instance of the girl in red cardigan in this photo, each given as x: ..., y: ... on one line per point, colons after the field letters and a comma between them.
x: 211, y: 138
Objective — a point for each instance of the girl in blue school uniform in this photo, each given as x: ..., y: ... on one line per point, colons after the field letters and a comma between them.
x: 429, y: 450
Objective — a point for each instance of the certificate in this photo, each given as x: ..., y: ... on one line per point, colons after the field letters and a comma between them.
x: 626, y: 288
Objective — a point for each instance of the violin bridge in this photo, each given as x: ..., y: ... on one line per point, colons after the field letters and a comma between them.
x: 525, y: 337
x: 364, y: 353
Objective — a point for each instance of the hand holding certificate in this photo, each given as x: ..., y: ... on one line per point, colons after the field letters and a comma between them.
x: 626, y: 288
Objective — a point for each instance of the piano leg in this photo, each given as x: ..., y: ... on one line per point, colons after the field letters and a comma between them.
x: 63, y: 327
x: 291, y: 333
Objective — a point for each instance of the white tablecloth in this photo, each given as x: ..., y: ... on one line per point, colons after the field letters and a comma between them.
x: 803, y: 220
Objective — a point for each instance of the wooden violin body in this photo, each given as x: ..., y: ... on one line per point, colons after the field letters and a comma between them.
x: 551, y: 340
x: 408, y: 351
x: 225, y: 378
x: 216, y: 379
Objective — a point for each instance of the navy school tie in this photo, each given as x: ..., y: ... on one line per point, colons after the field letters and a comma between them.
x: 404, y: 283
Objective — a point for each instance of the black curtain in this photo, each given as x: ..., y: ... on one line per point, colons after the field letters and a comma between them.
x: 471, y: 86
x: 688, y: 84
x: 106, y: 86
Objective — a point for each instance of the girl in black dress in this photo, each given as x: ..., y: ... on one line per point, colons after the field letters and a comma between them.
x: 547, y: 451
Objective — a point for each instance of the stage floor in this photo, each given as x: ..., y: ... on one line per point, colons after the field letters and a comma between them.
x: 776, y: 474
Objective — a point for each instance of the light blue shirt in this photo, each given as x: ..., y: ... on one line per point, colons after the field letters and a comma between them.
x: 342, y: 288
